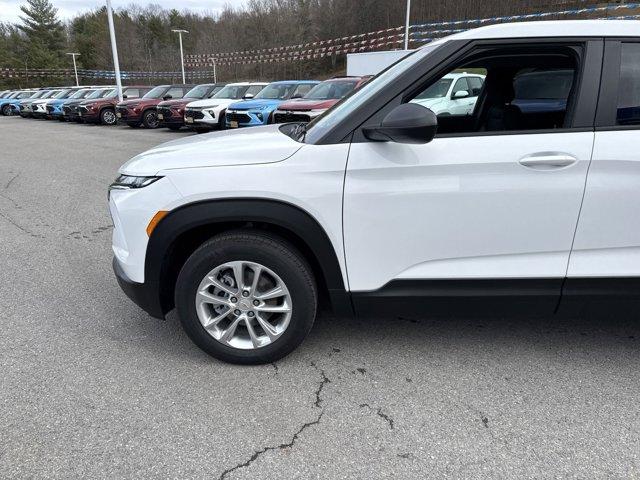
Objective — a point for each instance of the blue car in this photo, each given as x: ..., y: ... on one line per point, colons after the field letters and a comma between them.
x: 7, y: 103
x: 259, y: 110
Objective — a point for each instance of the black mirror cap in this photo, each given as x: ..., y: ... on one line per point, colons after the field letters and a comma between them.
x: 407, y: 123
x: 167, y: 97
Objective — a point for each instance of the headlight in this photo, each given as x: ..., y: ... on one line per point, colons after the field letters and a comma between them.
x: 127, y: 182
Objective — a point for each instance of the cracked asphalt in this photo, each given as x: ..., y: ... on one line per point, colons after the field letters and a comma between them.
x: 91, y: 387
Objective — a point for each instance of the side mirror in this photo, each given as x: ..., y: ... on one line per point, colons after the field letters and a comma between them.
x: 248, y: 96
x: 124, y: 97
x: 460, y: 94
x: 167, y: 97
x: 297, y: 95
x: 407, y: 123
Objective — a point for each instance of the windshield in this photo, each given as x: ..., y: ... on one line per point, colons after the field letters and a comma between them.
x: 437, y: 90
x: 98, y: 94
x: 277, y: 91
x: 80, y: 94
x: 332, y: 90
x: 315, y: 130
x: 62, y: 94
x: 49, y: 94
x: 109, y: 93
x: 198, y: 92
x: 234, y: 92
x: 39, y: 94
x: 157, y: 92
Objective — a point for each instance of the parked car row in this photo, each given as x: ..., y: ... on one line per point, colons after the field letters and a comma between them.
x: 199, y: 107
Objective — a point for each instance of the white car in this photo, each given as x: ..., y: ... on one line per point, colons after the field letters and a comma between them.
x: 453, y: 94
x: 38, y: 107
x: 528, y: 204
x: 207, y: 114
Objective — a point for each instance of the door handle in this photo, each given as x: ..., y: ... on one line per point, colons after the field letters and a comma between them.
x: 548, y: 161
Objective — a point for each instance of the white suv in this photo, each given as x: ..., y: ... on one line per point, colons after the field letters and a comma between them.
x: 207, y: 114
x: 528, y: 203
x: 453, y: 94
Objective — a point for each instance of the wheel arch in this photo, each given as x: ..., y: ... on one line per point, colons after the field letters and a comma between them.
x: 183, y: 230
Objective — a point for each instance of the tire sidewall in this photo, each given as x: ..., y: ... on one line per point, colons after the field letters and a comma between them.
x: 303, y: 300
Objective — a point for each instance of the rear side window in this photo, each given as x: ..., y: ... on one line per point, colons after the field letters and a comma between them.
x: 132, y: 92
x: 629, y: 87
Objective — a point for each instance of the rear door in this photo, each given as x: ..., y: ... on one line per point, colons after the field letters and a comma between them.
x: 607, y: 243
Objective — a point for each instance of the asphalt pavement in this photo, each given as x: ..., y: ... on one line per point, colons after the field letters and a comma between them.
x: 92, y: 387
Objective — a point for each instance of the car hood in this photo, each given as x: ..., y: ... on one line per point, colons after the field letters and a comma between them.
x: 308, y: 104
x: 178, y: 101
x: 255, y: 104
x: 225, y: 148
x: 210, y: 102
x: 135, y: 101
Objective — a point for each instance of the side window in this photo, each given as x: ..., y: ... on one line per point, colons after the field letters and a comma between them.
x: 475, y: 84
x: 511, y: 89
x: 132, y: 93
x: 175, y: 92
x: 629, y: 87
x: 302, y: 90
x: 254, y: 90
x: 461, y: 86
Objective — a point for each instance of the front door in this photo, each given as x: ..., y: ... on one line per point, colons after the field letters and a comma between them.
x: 495, y: 196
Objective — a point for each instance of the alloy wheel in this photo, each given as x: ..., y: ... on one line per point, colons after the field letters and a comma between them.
x: 109, y: 117
x: 243, y: 305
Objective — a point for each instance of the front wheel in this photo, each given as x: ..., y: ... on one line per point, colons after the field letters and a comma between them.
x: 6, y: 110
x: 108, y: 117
x: 246, y: 297
x: 150, y: 119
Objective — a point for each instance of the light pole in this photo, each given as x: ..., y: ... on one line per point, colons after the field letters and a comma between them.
x: 75, y: 68
x: 180, y: 32
x: 406, y: 27
x: 215, y: 77
x: 114, y: 49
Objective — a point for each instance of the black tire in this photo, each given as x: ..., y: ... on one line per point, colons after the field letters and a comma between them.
x: 108, y: 117
x: 270, y: 251
x: 150, y: 119
x: 6, y: 110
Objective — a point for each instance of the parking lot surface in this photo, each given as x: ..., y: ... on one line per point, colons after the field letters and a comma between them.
x: 91, y: 387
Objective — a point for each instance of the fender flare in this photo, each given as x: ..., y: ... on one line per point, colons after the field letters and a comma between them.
x: 283, y: 215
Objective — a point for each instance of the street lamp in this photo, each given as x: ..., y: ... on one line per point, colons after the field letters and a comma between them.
x: 114, y: 49
x: 406, y: 27
x: 180, y: 32
x: 75, y: 68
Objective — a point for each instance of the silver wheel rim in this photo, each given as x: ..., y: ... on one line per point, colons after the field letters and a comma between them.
x: 152, y: 119
x: 109, y: 117
x: 243, y: 305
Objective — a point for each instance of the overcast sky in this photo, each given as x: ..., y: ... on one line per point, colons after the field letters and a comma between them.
x: 10, y: 9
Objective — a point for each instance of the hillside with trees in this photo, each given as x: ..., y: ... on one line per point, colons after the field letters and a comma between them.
x: 147, y: 44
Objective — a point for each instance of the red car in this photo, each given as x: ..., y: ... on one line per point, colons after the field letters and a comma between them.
x: 103, y: 110
x: 171, y: 112
x: 322, y: 97
x: 144, y: 111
